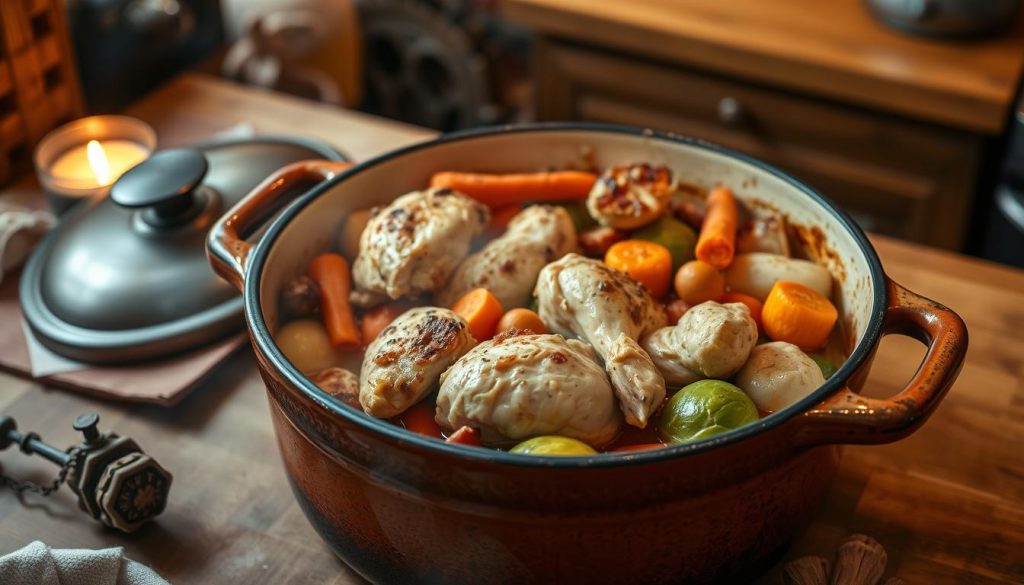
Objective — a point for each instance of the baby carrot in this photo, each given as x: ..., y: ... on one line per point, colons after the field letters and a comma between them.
x: 502, y: 190
x: 648, y: 263
x: 717, y: 241
x: 331, y: 272
x: 481, y: 310
x: 378, y: 318
x: 798, y: 314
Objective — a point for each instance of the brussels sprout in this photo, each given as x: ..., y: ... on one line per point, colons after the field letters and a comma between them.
x: 704, y: 409
x: 826, y: 366
x: 577, y: 210
x: 679, y: 238
x: 553, y: 445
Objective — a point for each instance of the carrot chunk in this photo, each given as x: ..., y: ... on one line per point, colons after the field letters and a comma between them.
x: 798, y: 314
x: 378, y: 318
x: 331, y: 272
x: 420, y: 419
x: 465, y: 436
x: 502, y: 190
x: 481, y: 310
x: 523, y: 319
x: 717, y: 242
x: 648, y: 263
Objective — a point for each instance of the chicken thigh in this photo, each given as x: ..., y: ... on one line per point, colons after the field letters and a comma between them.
x: 710, y: 341
x: 404, y: 362
x: 413, y: 245
x: 508, y: 266
x: 518, y: 386
x: 586, y: 298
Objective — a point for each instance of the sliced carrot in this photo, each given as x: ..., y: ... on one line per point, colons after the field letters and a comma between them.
x: 481, y: 310
x: 522, y: 319
x: 675, y: 309
x: 752, y: 303
x: 717, y: 242
x: 420, y: 419
x: 502, y: 190
x: 378, y: 318
x: 500, y: 218
x: 596, y: 241
x: 645, y: 262
x: 465, y: 436
x: 798, y: 314
x: 331, y: 272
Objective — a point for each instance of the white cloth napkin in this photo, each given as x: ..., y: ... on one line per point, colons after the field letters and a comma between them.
x: 20, y: 229
x: 38, y: 564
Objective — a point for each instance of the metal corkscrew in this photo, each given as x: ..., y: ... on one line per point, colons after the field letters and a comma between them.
x: 116, y: 483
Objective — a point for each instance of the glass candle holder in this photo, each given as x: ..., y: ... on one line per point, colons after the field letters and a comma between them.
x: 82, y: 159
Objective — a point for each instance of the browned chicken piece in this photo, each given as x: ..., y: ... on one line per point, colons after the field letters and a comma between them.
x: 764, y: 234
x: 413, y: 246
x: 404, y: 362
x: 339, y: 383
x: 585, y: 298
x: 521, y: 385
x: 710, y: 341
x: 628, y: 197
x: 508, y: 266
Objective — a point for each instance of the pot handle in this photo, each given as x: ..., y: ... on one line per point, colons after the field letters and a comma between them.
x: 846, y: 417
x: 226, y: 246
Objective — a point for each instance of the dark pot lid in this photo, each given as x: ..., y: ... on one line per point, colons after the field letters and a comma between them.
x: 126, y: 278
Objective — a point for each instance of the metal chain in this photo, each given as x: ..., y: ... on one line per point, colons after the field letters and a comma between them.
x: 21, y: 487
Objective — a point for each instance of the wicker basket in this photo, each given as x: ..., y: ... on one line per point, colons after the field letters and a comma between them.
x: 38, y: 81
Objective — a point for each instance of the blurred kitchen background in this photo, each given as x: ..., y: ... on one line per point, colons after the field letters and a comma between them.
x: 905, y: 112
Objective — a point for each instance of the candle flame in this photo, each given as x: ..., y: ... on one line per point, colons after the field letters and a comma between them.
x: 98, y: 161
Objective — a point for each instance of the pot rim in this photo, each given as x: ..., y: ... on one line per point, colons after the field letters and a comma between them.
x: 265, y: 344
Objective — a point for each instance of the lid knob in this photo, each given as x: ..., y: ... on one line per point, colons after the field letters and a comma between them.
x: 163, y: 184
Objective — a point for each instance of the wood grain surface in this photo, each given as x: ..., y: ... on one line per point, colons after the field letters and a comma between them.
x: 834, y: 49
x: 947, y: 503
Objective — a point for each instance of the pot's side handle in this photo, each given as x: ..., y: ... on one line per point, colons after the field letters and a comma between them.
x: 226, y: 246
x: 846, y: 417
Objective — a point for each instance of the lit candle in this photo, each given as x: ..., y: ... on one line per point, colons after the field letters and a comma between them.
x: 80, y: 160
x: 102, y: 162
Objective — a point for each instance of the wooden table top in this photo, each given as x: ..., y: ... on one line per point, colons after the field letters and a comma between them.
x: 947, y: 502
x: 834, y: 49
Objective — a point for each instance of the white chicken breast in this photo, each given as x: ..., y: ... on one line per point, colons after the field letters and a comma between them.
x: 508, y: 266
x: 777, y: 375
x: 518, y: 386
x: 404, y: 362
x: 710, y: 341
x: 412, y: 246
x: 586, y: 298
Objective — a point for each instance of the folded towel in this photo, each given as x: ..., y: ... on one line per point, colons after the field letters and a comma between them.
x: 38, y: 564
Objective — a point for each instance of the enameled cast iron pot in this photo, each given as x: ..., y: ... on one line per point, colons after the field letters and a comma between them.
x: 402, y: 508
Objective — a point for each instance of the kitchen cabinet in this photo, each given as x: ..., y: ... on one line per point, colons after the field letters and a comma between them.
x: 894, y: 129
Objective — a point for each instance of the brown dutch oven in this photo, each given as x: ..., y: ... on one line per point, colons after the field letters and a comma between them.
x: 402, y: 508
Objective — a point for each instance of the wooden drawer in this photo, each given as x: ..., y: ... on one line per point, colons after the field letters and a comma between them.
x: 894, y: 176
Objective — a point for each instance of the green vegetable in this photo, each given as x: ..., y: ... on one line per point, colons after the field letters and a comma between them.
x: 704, y: 409
x: 553, y: 445
x: 577, y: 210
x: 679, y: 238
x: 826, y: 366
